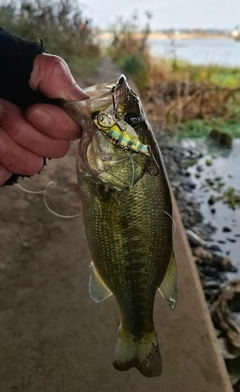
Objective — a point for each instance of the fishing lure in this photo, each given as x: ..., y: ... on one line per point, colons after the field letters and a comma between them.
x: 119, y: 132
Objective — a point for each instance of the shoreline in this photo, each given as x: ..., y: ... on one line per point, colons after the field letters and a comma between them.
x: 161, y: 36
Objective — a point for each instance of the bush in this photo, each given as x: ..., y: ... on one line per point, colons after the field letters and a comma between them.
x: 129, y: 48
x: 58, y: 23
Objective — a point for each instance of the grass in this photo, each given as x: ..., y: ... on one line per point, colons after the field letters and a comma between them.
x: 200, y: 128
x: 232, y: 198
x: 224, y: 77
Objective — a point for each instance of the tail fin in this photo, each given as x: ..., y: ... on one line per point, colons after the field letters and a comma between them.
x: 141, y: 353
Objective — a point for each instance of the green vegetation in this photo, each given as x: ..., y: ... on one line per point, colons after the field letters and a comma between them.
x: 57, y: 23
x: 224, y: 77
x: 129, y: 48
x: 231, y: 198
x: 133, y: 64
x: 200, y: 128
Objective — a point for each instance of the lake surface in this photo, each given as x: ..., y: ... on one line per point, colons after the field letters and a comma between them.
x: 224, y: 52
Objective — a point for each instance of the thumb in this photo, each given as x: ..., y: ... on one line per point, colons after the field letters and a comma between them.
x: 53, y: 78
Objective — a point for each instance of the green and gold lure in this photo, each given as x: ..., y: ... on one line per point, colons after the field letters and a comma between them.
x: 119, y: 132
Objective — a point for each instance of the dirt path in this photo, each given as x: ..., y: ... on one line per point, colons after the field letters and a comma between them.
x: 42, y: 261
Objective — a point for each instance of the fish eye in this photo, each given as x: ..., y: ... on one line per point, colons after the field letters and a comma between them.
x: 100, y: 117
x: 132, y: 119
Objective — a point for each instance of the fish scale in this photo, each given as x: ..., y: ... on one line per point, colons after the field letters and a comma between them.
x: 142, y: 234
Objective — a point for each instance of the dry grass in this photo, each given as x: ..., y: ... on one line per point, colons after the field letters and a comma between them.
x: 171, y: 102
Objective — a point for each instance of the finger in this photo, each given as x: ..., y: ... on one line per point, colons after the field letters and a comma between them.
x: 52, y: 76
x: 53, y: 121
x: 17, y: 159
x: 4, y: 175
x: 25, y: 135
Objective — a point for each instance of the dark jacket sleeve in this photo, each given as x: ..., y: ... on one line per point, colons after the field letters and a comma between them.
x: 16, y: 63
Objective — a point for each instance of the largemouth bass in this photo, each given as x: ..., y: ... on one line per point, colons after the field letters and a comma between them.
x: 126, y: 209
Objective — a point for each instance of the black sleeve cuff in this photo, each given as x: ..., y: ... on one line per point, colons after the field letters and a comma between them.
x: 16, y: 63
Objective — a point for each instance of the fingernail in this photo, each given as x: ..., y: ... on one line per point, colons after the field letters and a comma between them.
x: 39, y: 117
x: 4, y: 174
x: 84, y: 95
x: 73, y: 94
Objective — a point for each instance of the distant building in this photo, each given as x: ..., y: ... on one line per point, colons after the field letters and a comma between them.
x: 236, y: 32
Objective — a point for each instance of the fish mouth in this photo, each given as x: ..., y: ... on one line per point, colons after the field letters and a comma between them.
x: 112, y: 98
x: 100, y: 99
x: 110, y: 149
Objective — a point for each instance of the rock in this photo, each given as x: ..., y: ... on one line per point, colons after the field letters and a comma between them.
x: 226, y: 229
x: 188, y: 186
x: 214, y: 247
x: 223, y: 263
x: 194, y: 239
x: 199, y: 168
x: 224, y: 346
x: 211, y: 200
x: 210, y: 294
x: 201, y: 253
x: 175, y: 184
x: 221, y: 138
x: 212, y: 272
x: 211, y: 285
x: 231, y: 239
x: 210, y: 181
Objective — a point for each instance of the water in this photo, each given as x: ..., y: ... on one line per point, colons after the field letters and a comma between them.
x: 225, y: 168
x: 223, y: 52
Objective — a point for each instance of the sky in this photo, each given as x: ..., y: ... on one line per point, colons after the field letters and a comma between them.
x: 220, y: 14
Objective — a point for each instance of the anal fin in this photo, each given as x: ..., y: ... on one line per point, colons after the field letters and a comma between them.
x: 168, y: 287
x: 97, y: 289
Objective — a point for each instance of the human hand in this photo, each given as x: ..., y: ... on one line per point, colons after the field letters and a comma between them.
x: 44, y: 130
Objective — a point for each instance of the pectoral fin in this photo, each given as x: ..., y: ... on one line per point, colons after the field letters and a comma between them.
x: 97, y: 288
x: 168, y: 287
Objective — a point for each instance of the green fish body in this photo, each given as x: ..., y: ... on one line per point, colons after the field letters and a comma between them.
x: 127, y: 213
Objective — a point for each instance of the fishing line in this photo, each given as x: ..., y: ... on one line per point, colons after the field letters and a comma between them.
x: 132, y: 176
x: 31, y: 192
x: 44, y: 193
x: 173, y: 221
